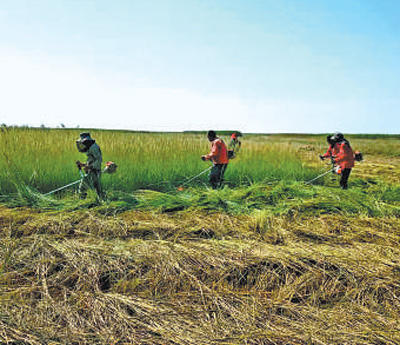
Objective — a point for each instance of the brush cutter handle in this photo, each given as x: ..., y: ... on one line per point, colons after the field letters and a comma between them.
x: 81, y: 165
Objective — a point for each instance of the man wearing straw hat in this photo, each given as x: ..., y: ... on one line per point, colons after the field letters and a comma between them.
x: 92, y: 167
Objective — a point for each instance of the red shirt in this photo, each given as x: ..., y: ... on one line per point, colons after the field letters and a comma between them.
x: 219, y: 153
x: 332, y: 151
x: 345, y: 156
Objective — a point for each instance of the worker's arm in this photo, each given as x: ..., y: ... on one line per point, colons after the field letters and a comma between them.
x: 213, y: 153
x: 328, y: 153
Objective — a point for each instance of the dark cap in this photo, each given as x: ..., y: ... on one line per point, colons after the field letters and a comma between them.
x: 338, y: 136
x: 85, y: 135
x: 211, y: 134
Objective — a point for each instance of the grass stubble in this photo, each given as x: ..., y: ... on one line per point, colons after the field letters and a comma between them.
x: 272, y: 262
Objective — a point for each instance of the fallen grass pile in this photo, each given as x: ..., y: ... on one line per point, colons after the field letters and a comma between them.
x: 279, y: 198
x: 194, y: 268
x: 93, y: 290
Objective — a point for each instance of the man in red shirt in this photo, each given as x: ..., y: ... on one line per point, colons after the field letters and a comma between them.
x: 342, y: 155
x: 344, y: 158
x: 219, y: 157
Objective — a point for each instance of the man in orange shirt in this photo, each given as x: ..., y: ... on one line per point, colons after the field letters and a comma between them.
x: 219, y: 157
x: 344, y: 158
x: 342, y: 155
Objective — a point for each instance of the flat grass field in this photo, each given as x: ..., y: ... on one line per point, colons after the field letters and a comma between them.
x: 267, y: 259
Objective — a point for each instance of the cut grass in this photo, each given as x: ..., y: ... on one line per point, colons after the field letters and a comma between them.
x: 196, y: 277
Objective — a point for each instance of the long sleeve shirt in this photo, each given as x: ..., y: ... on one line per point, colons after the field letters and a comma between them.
x: 219, y: 153
x: 331, y: 152
x: 94, y: 158
x: 345, y: 156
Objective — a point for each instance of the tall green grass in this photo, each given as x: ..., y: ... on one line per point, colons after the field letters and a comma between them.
x: 44, y: 159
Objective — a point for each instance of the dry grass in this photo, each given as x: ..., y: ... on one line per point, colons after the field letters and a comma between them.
x: 198, y: 278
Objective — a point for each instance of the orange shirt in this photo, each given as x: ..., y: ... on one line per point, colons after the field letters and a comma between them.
x: 345, y: 156
x: 219, y: 153
x: 332, y: 151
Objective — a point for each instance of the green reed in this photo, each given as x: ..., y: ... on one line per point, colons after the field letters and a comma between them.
x: 44, y: 159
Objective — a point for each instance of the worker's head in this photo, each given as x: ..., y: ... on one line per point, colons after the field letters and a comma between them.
x: 337, y: 137
x: 330, y: 140
x: 84, y: 142
x: 211, y: 135
x: 84, y: 135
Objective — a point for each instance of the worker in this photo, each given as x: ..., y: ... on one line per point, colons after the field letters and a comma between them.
x: 219, y: 157
x: 92, y: 167
x: 234, y: 145
x: 344, y: 158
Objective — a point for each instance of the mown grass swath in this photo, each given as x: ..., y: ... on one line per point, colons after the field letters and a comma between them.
x: 198, y: 277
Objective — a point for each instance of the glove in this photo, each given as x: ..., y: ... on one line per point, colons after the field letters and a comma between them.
x: 81, y: 165
x: 203, y: 158
x: 321, y: 157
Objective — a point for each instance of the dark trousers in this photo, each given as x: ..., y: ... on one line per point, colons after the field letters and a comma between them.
x: 91, y: 180
x: 217, y: 174
x: 344, y: 178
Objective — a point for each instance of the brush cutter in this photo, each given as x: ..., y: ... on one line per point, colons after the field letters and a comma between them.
x: 80, y: 165
x: 64, y: 187
x: 180, y: 188
x: 110, y: 168
x: 335, y: 169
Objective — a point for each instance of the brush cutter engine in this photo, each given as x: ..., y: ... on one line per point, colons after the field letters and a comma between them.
x: 110, y: 168
x: 231, y: 154
x: 337, y: 169
x: 358, y: 156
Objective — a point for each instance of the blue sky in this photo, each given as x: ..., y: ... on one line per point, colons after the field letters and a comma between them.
x: 303, y: 66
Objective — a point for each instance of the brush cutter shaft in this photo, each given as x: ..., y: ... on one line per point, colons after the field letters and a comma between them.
x: 196, y: 176
x: 319, y: 176
x: 61, y: 188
